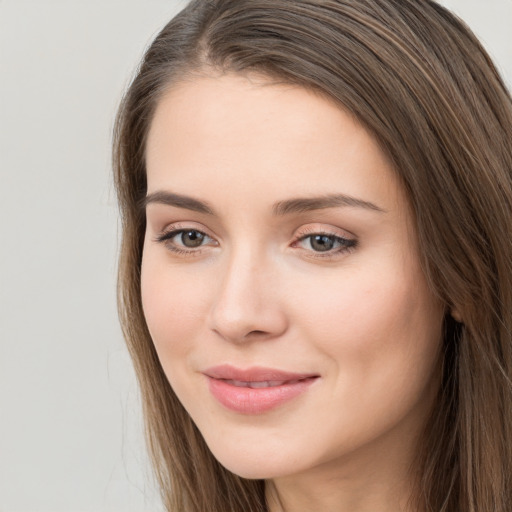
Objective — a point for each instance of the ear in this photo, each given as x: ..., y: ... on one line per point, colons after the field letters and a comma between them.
x: 455, y: 314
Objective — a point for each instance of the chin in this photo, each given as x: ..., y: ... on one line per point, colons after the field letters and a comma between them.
x: 261, y: 466
x: 252, y: 471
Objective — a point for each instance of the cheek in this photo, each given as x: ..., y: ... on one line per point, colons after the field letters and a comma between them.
x: 173, y: 303
x: 381, y: 327
x: 381, y: 335
x: 359, y: 307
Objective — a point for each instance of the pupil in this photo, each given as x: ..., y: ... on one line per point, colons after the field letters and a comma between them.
x: 322, y: 243
x: 192, y: 238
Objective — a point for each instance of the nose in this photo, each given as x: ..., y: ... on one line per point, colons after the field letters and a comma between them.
x: 248, y: 304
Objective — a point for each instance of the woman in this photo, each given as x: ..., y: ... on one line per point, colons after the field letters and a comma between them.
x: 315, y: 275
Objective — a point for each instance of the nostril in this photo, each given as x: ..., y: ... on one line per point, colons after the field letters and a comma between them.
x: 255, y: 333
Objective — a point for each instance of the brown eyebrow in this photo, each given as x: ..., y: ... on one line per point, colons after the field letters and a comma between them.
x: 178, y: 201
x: 297, y: 205
x: 301, y: 205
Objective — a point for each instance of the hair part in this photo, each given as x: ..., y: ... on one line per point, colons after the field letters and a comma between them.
x: 417, y: 78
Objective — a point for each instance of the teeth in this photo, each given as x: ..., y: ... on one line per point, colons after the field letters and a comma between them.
x: 257, y: 384
x: 238, y: 383
x: 266, y: 384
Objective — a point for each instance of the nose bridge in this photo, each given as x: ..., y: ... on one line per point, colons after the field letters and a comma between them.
x: 246, y: 303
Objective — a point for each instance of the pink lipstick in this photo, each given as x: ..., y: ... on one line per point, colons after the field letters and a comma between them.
x: 255, y: 390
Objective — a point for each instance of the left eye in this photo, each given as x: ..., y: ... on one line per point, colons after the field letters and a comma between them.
x: 325, y: 243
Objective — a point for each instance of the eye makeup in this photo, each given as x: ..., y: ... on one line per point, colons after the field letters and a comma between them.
x: 313, y: 242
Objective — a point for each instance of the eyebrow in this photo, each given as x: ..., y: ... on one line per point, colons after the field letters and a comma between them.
x: 289, y: 206
x: 177, y: 200
x: 306, y: 204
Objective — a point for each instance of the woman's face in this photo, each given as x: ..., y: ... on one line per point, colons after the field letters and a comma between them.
x: 281, y: 281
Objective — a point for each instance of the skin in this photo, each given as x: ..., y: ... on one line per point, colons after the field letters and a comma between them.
x: 257, y: 292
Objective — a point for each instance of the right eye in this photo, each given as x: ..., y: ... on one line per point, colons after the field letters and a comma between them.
x: 185, y: 240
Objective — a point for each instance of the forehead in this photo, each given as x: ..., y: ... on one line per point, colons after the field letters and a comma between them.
x: 242, y: 133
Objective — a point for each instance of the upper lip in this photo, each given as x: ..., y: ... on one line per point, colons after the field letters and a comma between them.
x: 254, y: 374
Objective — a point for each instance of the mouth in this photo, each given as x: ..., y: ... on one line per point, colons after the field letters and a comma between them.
x: 256, y: 390
x: 260, y: 384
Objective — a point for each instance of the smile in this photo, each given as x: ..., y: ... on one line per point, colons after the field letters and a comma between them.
x: 259, y: 384
x: 256, y: 390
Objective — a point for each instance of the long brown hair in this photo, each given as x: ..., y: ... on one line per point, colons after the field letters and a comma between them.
x: 421, y: 83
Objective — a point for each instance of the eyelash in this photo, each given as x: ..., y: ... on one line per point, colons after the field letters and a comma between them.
x: 167, y: 236
x: 345, y: 244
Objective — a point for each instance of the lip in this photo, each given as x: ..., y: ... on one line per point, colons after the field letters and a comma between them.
x: 256, y: 390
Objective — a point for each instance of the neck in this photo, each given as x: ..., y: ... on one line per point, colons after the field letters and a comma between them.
x: 371, y: 480
x: 338, y: 496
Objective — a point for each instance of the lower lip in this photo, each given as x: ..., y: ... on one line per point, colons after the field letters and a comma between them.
x: 256, y: 400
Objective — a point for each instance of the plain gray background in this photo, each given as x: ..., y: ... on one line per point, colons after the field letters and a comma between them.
x: 70, y: 426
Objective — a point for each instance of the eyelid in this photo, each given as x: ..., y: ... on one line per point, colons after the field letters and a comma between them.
x: 344, y: 240
x: 348, y: 242
x: 166, y: 234
x: 184, y: 226
x: 323, y: 229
